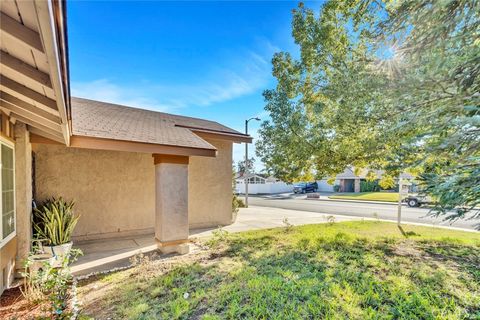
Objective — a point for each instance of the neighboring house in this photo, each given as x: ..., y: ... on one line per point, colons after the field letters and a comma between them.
x: 350, y: 182
x: 261, y: 184
x: 129, y: 171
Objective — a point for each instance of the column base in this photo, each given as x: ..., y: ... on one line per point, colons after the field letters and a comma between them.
x: 177, y: 246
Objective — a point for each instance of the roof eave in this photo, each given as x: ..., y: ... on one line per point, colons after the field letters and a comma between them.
x: 208, y: 134
x: 52, y: 27
x: 87, y: 142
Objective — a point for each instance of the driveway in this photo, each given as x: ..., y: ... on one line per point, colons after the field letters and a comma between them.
x: 384, y: 211
x: 256, y: 218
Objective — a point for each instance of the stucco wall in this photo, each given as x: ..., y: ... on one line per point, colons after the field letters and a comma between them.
x: 23, y: 190
x: 115, y: 191
x: 7, y: 263
x: 210, y: 188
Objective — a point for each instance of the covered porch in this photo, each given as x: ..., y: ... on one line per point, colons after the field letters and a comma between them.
x: 132, y: 172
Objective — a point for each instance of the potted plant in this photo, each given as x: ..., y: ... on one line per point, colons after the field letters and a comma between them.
x: 53, y: 225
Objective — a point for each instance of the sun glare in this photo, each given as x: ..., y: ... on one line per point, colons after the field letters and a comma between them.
x: 389, y: 61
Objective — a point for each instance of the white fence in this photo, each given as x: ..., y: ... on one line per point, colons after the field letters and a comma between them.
x: 264, y: 188
x: 323, y: 186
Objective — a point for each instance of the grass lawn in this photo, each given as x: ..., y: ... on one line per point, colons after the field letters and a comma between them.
x: 348, y: 270
x: 368, y: 196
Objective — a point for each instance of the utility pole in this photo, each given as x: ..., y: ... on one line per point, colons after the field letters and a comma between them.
x: 246, y: 166
x: 400, y: 192
x: 246, y: 161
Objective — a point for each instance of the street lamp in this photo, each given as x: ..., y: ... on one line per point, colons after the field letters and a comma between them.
x: 246, y: 160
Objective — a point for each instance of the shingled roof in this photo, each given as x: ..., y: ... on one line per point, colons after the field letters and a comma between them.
x: 104, y: 120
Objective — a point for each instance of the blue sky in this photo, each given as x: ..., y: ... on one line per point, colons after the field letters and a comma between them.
x: 202, y: 59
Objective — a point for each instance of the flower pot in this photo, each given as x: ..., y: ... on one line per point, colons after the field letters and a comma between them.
x: 39, y: 261
x: 58, y: 252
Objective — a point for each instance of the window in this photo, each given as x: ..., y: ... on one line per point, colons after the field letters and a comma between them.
x: 256, y: 180
x: 7, y: 197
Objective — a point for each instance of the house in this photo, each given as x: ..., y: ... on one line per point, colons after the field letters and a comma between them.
x: 129, y: 171
x: 350, y: 182
x: 261, y: 184
x: 253, y: 178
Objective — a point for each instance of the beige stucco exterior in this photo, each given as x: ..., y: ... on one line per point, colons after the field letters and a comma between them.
x: 7, y: 263
x: 210, y: 186
x: 13, y: 252
x: 171, y: 192
x: 23, y: 190
x: 114, y: 191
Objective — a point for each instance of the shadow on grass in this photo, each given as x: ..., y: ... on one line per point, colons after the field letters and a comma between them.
x: 407, y: 234
x: 467, y: 258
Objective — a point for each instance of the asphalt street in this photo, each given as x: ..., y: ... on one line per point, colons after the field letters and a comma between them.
x: 355, y: 208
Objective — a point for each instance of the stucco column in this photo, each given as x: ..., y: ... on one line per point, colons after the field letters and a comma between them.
x: 171, y: 203
x: 23, y: 191
x: 356, y: 187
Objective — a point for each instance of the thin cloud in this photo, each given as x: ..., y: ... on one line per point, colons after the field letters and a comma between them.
x: 249, y: 73
x: 106, y: 90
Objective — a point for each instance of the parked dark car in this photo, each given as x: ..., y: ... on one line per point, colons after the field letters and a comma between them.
x: 305, y: 187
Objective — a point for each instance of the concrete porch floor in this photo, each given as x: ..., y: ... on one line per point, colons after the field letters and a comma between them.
x: 107, y: 254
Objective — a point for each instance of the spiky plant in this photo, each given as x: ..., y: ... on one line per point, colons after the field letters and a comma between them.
x: 54, y: 221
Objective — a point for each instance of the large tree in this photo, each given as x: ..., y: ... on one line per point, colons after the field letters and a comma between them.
x: 243, y: 166
x: 389, y: 85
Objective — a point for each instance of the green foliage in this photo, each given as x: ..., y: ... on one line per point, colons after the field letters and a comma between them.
x: 237, y: 203
x: 219, y: 238
x: 331, y: 180
x: 371, y: 176
x: 387, y: 182
x: 52, y: 284
x: 241, y: 167
x: 352, y: 270
x: 369, y: 186
x: 455, y: 188
x: 54, y: 221
x: 336, y: 188
x: 316, y: 125
x: 287, y: 224
x: 389, y: 86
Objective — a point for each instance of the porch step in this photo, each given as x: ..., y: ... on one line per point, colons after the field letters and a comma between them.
x: 108, y: 254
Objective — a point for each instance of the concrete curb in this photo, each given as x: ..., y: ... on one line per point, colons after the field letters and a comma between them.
x: 358, y: 201
x: 320, y: 199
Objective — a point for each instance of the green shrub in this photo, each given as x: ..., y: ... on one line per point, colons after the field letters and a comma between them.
x: 51, y: 284
x: 54, y: 221
x: 237, y: 203
x: 369, y: 186
x: 336, y: 188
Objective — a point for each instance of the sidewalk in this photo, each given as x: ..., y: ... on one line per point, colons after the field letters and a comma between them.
x: 256, y: 218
